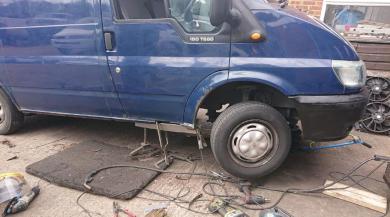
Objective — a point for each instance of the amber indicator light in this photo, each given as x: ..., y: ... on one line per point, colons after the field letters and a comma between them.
x: 256, y: 36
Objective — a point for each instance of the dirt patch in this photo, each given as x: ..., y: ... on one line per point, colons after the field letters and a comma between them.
x: 7, y: 143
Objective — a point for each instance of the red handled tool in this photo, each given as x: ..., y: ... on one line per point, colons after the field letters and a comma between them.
x: 117, y: 209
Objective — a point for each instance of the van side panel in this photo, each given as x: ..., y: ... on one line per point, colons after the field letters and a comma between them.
x: 54, y: 54
x: 3, y: 73
x: 159, y: 69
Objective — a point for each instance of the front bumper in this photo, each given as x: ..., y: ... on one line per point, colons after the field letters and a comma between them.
x: 326, y: 118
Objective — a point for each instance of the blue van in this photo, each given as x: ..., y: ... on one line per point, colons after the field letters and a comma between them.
x: 257, y: 67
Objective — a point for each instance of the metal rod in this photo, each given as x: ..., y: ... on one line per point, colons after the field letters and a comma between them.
x: 163, y: 148
x: 145, y: 135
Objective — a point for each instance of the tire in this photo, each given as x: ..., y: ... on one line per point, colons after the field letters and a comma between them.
x: 10, y: 118
x: 256, y: 120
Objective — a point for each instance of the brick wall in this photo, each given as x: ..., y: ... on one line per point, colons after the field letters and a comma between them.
x: 312, y: 7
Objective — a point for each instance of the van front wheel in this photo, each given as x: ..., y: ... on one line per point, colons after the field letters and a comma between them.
x: 10, y: 118
x: 250, y: 140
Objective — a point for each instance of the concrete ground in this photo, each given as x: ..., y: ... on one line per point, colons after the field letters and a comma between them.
x: 44, y: 136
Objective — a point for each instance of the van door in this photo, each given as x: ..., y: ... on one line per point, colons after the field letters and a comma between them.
x: 159, y: 50
x: 55, y: 58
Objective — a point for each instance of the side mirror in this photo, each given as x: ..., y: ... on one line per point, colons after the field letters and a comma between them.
x: 220, y: 11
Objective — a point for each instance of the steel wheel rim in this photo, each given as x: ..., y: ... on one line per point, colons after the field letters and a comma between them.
x: 252, y: 143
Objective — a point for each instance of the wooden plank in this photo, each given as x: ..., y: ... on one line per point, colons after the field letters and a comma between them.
x: 355, y: 44
x: 375, y: 57
x: 373, y: 48
x: 377, y: 66
x: 386, y: 177
x: 357, y: 196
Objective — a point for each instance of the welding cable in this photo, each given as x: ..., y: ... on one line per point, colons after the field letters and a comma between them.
x: 321, y: 188
x: 89, y: 178
x: 210, y: 185
x: 301, y: 191
x: 176, y: 200
x: 358, y: 182
x: 332, y: 174
x: 87, y: 211
x: 194, y: 166
x: 230, y: 198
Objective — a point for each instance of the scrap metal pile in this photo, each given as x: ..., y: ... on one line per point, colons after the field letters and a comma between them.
x: 376, y: 118
x: 369, y: 30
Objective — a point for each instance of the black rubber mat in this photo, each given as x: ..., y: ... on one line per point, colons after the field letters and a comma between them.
x: 69, y: 168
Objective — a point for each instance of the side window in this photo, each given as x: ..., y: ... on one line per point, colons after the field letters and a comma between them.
x: 17, y: 13
x: 193, y: 15
x: 139, y: 9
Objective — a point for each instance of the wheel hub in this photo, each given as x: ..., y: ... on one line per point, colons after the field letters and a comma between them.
x: 379, y: 118
x: 252, y: 142
x: 377, y: 89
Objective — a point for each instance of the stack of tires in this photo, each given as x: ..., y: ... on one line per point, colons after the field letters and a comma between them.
x: 376, y: 118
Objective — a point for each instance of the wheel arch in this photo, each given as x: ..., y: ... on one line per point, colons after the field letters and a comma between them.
x: 8, y: 93
x: 215, y: 86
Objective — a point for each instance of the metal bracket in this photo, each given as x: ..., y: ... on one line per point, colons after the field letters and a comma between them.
x: 145, y: 149
x: 163, y: 146
x: 168, y: 158
x: 201, y: 141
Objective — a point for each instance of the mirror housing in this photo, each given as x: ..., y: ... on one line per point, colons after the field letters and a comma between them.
x: 220, y: 11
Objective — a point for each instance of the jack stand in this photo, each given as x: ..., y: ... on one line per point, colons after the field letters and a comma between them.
x: 160, y: 164
x: 201, y: 141
x: 168, y: 157
x: 163, y: 163
x: 163, y: 146
x: 145, y: 150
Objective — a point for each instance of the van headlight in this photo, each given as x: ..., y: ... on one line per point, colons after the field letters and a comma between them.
x: 350, y: 73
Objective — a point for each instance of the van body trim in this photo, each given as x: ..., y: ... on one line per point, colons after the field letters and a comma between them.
x: 49, y: 26
x: 100, y: 117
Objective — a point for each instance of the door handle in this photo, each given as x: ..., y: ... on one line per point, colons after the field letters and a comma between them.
x: 109, y: 41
